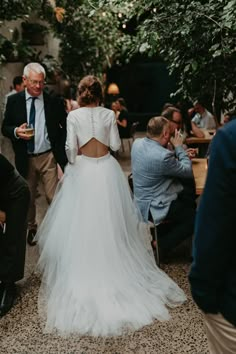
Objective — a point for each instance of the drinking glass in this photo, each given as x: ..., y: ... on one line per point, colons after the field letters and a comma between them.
x: 29, y: 130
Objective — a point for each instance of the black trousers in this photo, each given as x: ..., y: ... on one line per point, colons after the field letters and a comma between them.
x: 15, y: 203
x: 181, y: 217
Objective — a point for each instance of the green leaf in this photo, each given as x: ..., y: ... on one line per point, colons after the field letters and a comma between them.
x: 194, y: 65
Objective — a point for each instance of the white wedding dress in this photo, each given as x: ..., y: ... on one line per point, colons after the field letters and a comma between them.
x: 99, y: 276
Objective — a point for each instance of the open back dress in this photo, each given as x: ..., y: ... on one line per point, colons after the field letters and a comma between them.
x: 99, y: 276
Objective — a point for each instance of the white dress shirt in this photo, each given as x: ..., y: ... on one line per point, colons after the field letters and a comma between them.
x: 41, y: 140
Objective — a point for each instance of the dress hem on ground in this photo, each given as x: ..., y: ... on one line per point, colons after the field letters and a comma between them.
x: 99, y: 277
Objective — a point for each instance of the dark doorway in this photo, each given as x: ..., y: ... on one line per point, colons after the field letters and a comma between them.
x: 145, y: 85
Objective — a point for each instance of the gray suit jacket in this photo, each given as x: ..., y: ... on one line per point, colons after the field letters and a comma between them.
x: 156, y: 176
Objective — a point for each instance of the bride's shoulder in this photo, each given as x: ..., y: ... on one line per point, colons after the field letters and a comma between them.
x: 104, y: 109
x: 76, y: 113
x: 106, y: 112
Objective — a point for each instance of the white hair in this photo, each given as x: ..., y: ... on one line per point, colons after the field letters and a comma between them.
x: 36, y: 67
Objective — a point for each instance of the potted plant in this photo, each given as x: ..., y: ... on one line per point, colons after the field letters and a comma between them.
x: 34, y: 33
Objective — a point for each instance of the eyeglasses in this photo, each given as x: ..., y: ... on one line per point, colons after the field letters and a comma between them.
x: 36, y: 82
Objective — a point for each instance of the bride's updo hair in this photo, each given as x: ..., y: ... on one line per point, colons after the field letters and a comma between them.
x: 90, y: 91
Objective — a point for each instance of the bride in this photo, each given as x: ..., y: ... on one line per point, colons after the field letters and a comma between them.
x: 99, y: 277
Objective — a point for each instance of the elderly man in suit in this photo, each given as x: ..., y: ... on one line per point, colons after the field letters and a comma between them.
x: 14, y: 203
x: 163, y: 182
x: 213, y: 273
x: 36, y: 156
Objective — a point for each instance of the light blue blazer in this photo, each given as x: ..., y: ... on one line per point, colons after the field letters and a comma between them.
x: 156, y: 176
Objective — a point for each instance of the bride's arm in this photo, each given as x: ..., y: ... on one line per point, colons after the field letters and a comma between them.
x: 71, y: 141
x: 115, y: 142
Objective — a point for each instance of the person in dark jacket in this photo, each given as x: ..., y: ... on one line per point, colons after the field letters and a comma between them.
x: 213, y: 272
x: 14, y: 203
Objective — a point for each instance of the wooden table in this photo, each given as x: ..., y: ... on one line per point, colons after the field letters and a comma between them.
x: 201, y: 143
x: 195, y: 140
x: 200, y: 173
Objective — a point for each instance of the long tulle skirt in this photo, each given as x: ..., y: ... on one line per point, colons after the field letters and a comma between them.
x: 99, y: 276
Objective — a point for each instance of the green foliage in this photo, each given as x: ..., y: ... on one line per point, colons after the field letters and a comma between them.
x: 197, y: 39
x: 15, y: 49
x: 89, y: 38
x: 13, y: 9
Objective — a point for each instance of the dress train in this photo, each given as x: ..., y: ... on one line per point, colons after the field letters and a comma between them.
x: 99, y: 277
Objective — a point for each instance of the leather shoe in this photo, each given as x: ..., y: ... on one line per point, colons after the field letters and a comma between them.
x: 30, y: 237
x: 7, y: 297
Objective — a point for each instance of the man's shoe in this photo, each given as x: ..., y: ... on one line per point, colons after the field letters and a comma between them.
x: 7, y: 297
x: 30, y: 237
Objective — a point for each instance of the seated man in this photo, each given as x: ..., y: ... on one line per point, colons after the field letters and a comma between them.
x: 14, y: 203
x: 174, y: 116
x: 203, y: 118
x: 163, y: 182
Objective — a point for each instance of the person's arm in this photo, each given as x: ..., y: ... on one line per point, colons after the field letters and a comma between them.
x: 177, y: 163
x: 6, y: 171
x: 122, y: 123
x: 2, y: 217
x: 59, y: 139
x: 71, y: 140
x: 9, y: 128
x: 178, y: 167
x: 214, y: 241
x: 122, y: 120
x: 115, y: 142
x: 197, y: 131
x: 8, y: 125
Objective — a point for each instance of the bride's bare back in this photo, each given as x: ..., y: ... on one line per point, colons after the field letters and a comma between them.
x: 94, y: 148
